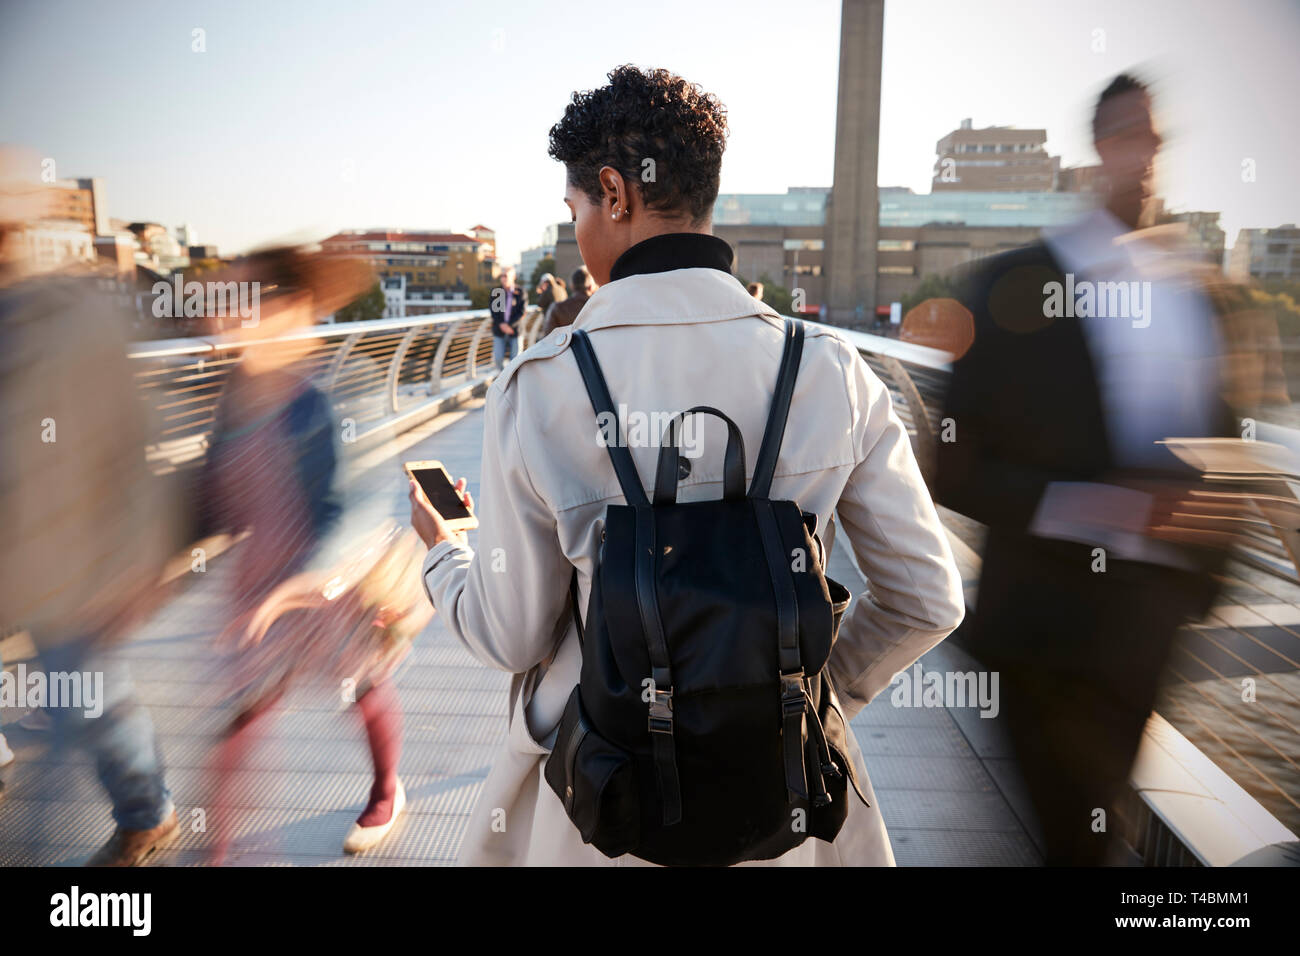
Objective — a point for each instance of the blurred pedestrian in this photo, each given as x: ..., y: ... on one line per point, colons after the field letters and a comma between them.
x: 1099, y: 546
x: 271, y: 471
x: 546, y: 288
x: 88, y: 527
x: 563, y: 313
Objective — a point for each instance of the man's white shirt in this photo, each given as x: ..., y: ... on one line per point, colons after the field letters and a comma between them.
x: 1157, y: 376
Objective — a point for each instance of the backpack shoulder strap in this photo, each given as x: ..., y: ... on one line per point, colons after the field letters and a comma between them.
x: 577, y: 611
x: 660, y: 721
x: 765, y: 467
x: 601, y: 401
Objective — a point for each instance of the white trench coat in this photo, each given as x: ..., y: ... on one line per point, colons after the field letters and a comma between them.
x: 667, y: 341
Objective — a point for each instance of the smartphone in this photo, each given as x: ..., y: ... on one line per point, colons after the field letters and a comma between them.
x: 442, y: 494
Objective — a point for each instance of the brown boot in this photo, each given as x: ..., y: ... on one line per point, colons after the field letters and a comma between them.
x: 132, y: 847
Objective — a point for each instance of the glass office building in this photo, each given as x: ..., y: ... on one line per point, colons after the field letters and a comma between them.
x: 901, y: 207
x: 982, y: 209
x: 801, y: 206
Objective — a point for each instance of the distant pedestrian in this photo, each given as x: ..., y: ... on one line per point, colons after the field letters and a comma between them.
x: 563, y: 313
x: 546, y: 287
x: 507, y: 309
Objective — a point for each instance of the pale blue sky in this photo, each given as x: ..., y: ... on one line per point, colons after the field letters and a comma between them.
x: 303, y: 118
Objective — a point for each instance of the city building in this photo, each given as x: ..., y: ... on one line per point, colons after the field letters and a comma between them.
x: 64, y: 225
x: 1266, y: 254
x: 995, y: 158
x: 782, y: 236
x: 567, y: 257
x: 436, y: 269
x: 900, y: 206
x: 394, y: 296
x: 57, y: 244
x: 1081, y: 179
x: 487, y: 238
x: 1203, y: 237
x: 81, y: 201
x: 158, y: 248
x: 529, y: 258
x: 778, y: 238
x: 116, y: 252
x: 400, y: 301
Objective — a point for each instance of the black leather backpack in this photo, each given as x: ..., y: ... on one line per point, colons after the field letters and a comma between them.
x: 704, y: 729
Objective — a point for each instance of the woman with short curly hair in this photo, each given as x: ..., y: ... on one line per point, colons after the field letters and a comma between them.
x: 673, y: 328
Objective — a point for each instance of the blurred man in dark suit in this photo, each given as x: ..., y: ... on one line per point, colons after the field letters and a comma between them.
x: 1088, y: 351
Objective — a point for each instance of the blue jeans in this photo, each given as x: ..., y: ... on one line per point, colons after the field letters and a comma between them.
x: 504, y: 347
x: 122, y: 739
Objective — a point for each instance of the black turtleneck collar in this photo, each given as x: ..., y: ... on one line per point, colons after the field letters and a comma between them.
x: 673, y: 250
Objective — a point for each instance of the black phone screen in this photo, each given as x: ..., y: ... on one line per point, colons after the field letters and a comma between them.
x: 440, y: 492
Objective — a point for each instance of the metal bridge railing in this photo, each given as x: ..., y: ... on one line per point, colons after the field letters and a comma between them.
x: 381, y: 376
x: 917, y: 377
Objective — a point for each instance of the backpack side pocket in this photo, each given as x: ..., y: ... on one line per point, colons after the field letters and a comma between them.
x: 596, y: 783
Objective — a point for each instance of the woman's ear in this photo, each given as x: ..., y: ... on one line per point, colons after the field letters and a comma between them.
x: 616, y: 194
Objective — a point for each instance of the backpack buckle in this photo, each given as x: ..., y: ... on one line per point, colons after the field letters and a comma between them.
x: 793, y: 699
x: 661, y: 712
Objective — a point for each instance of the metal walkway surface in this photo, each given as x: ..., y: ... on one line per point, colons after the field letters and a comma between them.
x: 946, y: 784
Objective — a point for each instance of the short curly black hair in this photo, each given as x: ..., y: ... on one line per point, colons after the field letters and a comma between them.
x: 646, y: 115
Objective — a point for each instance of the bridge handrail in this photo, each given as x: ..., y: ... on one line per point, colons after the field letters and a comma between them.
x: 240, y: 339
x: 382, y: 375
x: 909, y: 353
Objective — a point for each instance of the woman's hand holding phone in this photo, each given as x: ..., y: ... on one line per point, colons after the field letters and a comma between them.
x: 427, y: 522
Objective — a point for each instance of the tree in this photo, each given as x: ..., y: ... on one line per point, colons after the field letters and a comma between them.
x: 200, y: 266
x: 1284, y: 309
x: 933, y: 286
x: 776, y: 295
x: 546, y: 265
x: 480, y: 296
x: 1287, y: 287
x: 370, y: 305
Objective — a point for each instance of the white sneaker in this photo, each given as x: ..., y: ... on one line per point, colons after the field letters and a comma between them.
x: 361, y: 838
x: 6, y: 755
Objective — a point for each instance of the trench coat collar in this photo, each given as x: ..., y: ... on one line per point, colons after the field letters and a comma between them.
x: 673, y: 250
x: 680, y: 296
